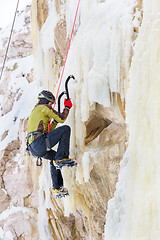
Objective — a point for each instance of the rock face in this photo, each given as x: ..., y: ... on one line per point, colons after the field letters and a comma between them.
x: 27, y: 210
x: 18, y: 192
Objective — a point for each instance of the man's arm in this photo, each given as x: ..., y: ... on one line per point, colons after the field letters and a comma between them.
x: 61, y: 117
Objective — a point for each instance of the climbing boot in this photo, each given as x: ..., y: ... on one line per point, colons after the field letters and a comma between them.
x: 67, y: 162
x: 61, y: 192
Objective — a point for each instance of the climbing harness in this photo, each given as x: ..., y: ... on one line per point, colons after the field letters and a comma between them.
x: 32, y: 134
x: 9, y: 40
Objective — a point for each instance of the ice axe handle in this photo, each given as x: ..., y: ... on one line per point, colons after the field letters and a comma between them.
x: 59, y: 101
x: 66, y: 85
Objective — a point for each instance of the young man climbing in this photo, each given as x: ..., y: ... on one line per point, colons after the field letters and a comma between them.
x: 40, y: 141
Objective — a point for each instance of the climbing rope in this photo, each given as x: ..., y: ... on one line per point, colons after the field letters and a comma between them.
x: 67, y: 54
x: 9, y: 40
x: 49, y: 124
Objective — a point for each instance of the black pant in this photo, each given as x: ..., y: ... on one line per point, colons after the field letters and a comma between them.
x: 60, y: 135
x: 56, y: 175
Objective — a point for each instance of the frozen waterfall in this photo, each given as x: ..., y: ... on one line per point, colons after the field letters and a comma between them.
x: 134, y: 212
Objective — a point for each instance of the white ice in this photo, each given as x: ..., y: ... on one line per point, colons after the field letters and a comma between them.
x: 134, y: 212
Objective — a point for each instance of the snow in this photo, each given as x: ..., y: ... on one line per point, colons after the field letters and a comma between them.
x: 1, y: 233
x: 18, y: 25
x: 44, y: 201
x: 11, y: 120
x: 17, y: 83
x: 7, y: 13
x: 11, y: 210
x: 20, y: 21
x: 9, y: 236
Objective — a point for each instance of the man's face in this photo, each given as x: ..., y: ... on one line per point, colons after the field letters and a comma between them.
x: 50, y: 104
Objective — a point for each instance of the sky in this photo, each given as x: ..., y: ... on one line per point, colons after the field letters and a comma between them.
x: 7, y: 10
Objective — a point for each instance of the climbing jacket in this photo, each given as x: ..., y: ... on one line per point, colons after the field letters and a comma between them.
x: 40, y: 117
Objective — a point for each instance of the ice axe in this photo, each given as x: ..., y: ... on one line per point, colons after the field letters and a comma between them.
x: 65, y: 92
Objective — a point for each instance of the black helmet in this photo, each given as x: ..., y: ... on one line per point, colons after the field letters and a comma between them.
x: 47, y: 95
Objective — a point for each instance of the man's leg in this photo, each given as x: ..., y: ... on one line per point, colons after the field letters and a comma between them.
x: 56, y: 175
x: 60, y: 135
x: 38, y: 147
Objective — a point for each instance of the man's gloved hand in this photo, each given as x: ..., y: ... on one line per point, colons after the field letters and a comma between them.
x: 67, y: 103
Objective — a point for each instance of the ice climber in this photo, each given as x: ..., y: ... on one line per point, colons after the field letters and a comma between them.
x: 40, y: 141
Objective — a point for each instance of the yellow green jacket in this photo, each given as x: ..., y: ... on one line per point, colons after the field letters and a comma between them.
x: 40, y: 117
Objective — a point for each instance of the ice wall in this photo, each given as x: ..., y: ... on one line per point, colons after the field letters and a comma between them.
x: 99, y: 58
x: 43, y: 44
x: 101, y: 49
x: 134, y: 212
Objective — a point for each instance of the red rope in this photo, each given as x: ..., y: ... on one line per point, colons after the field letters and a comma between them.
x: 65, y: 60
x: 67, y: 54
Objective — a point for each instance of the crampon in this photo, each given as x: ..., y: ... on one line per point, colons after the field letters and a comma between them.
x: 67, y: 162
x: 61, y: 192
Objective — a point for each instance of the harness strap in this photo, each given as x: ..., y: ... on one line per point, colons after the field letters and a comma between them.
x: 31, y: 134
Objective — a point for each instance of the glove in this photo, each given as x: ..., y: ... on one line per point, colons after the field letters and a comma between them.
x: 67, y: 103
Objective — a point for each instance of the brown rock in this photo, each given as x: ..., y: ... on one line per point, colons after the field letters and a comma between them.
x: 4, y: 200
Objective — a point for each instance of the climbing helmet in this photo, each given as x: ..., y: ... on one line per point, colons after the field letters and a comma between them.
x: 47, y: 95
